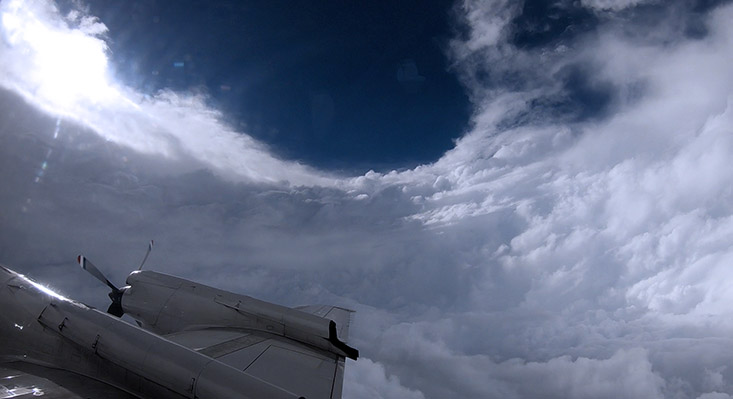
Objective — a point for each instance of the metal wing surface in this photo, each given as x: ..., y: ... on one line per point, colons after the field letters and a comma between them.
x: 25, y: 380
x: 280, y: 361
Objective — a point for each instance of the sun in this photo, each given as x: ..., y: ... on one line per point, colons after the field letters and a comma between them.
x: 67, y: 67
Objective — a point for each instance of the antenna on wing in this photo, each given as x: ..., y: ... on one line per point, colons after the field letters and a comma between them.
x: 150, y: 248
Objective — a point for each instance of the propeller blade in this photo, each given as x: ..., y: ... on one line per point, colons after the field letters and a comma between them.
x: 115, y: 309
x: 150, y: 248
x: 89, y: 266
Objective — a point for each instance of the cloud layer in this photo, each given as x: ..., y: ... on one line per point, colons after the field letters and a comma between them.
x: 574, y: 244
x: 60, y: 64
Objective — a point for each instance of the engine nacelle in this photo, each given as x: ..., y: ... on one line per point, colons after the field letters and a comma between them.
x: 165, y: 304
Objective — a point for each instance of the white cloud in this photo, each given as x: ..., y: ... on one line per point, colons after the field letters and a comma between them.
x: 714, y: 395
x: 60, y: 64
x: 626, y: 373
x: 613, y: 5
x: 367, y: 379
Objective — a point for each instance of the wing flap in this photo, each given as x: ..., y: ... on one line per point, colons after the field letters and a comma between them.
x: 283, y: 362
x: 294, y: 370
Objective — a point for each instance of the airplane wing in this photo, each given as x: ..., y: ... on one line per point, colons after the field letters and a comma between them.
x: 25, y: 380
x: 194, y: 340
x: 283, y: 362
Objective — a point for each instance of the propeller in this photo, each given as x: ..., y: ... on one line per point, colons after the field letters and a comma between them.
x: 115, y: 295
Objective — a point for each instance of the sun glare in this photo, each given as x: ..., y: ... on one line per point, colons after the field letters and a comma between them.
x: 67, y: 68
x: 48, y: 291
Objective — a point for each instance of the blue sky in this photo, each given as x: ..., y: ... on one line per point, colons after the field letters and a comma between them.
x: 355, y: 85
x: 565, y: 234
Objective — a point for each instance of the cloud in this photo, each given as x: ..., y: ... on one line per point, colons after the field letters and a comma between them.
x: 714, y: 395
x: 367, y: 379
x: 59, y: 63
x: 626, y: 373
x: 613, y: 5
x: 559, y: 249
